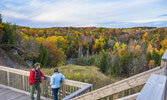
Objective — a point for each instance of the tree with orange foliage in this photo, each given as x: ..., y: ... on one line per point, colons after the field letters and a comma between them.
x: 57, y: 56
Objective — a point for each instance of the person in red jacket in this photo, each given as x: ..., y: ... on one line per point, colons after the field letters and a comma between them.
x: 34, y: 80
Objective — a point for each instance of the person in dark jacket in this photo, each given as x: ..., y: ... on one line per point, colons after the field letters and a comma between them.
x: 34, y: 80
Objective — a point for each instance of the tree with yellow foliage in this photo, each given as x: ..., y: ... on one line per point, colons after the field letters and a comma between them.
x: 120, y: 49
x: 160, y: 52
x: 40, y: 40
x: 144, y: 37
x: 138, y: 49
x: 1, y: 26
x: 41, y: 32
x: 116, y: 47
x: 99, y: 44
x: 150, y: 48
x: 151, y: 64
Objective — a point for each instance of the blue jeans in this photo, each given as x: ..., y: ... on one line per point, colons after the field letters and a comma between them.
x: 55, y: 93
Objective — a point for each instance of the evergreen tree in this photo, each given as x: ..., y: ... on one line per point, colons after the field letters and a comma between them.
x: 40, y: 58
x: 12, y: 35
x: 8, y: 36
x: 103, y: 64
x: 43, y: 56
x: 122, y: 66
x: 148, y: 56
x: 156, y: 58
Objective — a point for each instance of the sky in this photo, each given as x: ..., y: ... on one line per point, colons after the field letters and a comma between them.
x: 85, y: 13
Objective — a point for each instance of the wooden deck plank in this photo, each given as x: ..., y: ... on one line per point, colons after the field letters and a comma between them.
x: 23, y: 97
x: 18, y: 96
x: 15, y: 94
x: 8, y: 94
x: 11, y: 95
x: 1, y: 87
x: 5, y: 91
x: 2, y: 90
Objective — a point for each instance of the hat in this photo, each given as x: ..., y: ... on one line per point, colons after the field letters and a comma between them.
x: 37, y: 64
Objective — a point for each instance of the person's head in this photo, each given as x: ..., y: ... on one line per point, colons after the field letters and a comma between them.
x: 37, y: 65
x: 56, y: 69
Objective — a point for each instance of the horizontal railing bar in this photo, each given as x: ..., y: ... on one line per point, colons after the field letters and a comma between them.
x: 16, y: 71
x: 122, y: 85
x: 77, y: 92
x: 130, y: 97
x: 26, y: 73
x: 75, y: 83
x: 164, y: 57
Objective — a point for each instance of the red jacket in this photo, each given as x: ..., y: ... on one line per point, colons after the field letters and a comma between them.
x: 32, y: 76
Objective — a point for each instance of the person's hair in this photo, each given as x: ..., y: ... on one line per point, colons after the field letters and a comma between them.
x: 56, y: 69
x: 36, y: 64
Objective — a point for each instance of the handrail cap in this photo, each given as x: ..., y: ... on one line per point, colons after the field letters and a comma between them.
x: 164, y: 57
x: 77, y: 92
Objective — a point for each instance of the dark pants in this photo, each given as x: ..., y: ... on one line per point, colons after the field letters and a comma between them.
x: 55, y: 93
x: 32, y: 90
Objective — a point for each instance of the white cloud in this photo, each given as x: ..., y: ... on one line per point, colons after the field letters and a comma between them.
x: 14, y: 15
x: 84, y: 12
x: 148, y: 20
x: 87, y: 12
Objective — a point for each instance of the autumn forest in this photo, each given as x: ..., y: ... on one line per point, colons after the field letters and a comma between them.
x: 115, y: 51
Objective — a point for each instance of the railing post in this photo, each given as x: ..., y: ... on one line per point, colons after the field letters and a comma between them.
x: 23, y: 82
x: 64, y: 91
x: 8, y: 78
x: 108, y: 98
x: 164, y: 60
x: 123, y: 93
x: 164, y: 64
x: 115, y: 96
x: 91, y: 88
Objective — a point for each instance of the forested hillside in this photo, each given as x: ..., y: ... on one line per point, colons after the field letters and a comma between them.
x: 119, y: 52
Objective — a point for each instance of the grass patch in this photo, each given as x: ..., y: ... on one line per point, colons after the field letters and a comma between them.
x: 88, y: 74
